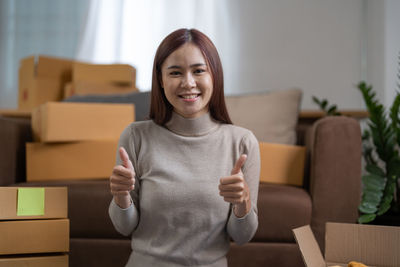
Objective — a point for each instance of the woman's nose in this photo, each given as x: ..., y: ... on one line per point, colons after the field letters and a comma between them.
x: 188, y: 81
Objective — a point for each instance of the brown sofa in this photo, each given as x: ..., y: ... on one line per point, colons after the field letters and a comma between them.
x: 331, y: 192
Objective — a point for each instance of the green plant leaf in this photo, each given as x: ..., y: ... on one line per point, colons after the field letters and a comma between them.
x: 374, y: 182
x: 372, y: 196
x: 393, y: 168
x: 316, y: 100
x: 375, y: 169
x: 366, y: 218
x: 387, y: 198
x: 324, y: 104
x: 368, y: 207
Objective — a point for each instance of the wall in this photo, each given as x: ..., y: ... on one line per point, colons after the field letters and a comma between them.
x: 383, y: 48
x: 311, y: 44
x: 323, y: 47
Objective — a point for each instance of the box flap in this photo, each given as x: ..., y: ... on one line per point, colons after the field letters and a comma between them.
x: 54, y: 67
x: 309, y: 248
x: 369, y: 244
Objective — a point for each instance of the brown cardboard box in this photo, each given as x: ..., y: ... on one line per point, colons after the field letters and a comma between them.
x: 55, y: 204
x: 78, y: 160
x: 87, y: 88
x: 42, y: 79
x: 15, y: 113
x: 120, y: 74
x: 34, y: 236
x: 372, y: 245
x: 282, y: 164
x: 39, y: 261
x: 64, y: 122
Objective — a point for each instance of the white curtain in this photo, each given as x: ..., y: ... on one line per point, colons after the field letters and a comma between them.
x: 129, y: 31
x: 47, y: 27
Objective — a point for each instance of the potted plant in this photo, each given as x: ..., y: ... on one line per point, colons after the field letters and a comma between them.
x: 381, y: 142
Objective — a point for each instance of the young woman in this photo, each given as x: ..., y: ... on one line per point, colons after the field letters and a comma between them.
x: 186, y: 181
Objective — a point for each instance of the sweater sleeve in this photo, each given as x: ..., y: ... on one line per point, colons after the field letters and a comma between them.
x: 126, y: 220
x: 243, y: 229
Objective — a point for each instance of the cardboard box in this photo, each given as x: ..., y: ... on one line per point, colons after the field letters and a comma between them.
x: 370, y: 244
x: 39, y: 261
x: 87, y: 88
x: 282, y: 164
x: 64, y: 122
x: 34, y: 236
x: 63, y: 161
x: 42, y: 79
x: 55, y: 203
x: 119, y: 74
x: 15, y: 113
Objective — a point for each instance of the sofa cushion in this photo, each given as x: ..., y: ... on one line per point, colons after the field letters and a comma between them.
x: 99, y: 252
x: 259, y: 254
x: 272, y: 116
x: 280, y: 209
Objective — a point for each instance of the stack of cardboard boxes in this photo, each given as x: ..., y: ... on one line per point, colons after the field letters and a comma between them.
x: 43, y: 79
x: 34, y: 227
x: 75, y: 140
x: 72, y: 140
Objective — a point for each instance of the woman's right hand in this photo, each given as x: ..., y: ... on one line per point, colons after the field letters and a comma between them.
x: 122, y: 180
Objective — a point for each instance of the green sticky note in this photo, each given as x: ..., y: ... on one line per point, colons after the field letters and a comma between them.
x: 30, y: 202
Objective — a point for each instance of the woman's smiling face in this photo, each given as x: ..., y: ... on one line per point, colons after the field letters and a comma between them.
x: 187, y: 81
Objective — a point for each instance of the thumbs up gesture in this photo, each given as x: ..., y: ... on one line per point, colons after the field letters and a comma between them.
x: 122, y: 180
x: 234, y: 189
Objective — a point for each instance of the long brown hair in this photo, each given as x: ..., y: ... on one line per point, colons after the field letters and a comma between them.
x: 160, y: 108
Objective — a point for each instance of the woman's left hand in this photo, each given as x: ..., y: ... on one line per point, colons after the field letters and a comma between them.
x: 234, y: 189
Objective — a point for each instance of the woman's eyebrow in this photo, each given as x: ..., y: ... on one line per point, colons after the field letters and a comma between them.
x: 198, y: 65
x: 174, y: 67
x: 193, y: 65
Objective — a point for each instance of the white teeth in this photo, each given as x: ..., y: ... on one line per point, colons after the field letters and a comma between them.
x: 189, y: 96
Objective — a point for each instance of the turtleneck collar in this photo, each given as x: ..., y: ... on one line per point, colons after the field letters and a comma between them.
x: 191, y: 126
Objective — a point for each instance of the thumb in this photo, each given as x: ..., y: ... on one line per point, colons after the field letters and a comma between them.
x: 126, y: 162
x: 239, y: 164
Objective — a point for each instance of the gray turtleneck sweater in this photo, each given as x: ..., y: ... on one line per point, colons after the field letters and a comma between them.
x: 178, y: 217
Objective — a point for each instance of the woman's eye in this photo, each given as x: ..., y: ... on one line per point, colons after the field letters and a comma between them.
x: 198, y: 71
x: 174, y: 73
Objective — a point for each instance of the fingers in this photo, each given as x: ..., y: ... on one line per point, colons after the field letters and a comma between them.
x: 126, y: 162
x: 122, y: 179
x: 234, y: 197
x: 234, y: 188
x: 120, y: 170
x: 231, y: 179
x: 239, y: 164
x: 120, y: 185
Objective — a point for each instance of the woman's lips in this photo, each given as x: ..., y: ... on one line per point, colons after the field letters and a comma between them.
x: 190, y: 97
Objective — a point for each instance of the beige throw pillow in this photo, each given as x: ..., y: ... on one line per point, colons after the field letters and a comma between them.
x: 271, y: 116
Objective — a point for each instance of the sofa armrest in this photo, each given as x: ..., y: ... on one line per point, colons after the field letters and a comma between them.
x: 335, y: 151
x: 14, y: 133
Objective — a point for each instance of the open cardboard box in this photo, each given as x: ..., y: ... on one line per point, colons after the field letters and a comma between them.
x: 372, y: 245
x: 42, y: 79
